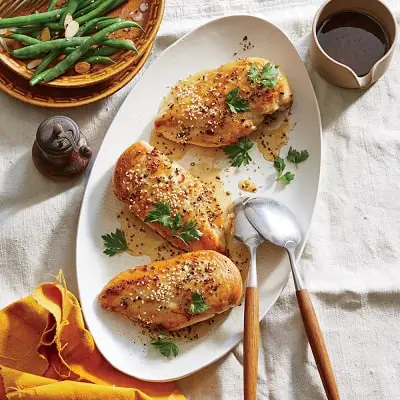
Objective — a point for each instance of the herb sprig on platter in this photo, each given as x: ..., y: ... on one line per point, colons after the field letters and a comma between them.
x: 187, y: 232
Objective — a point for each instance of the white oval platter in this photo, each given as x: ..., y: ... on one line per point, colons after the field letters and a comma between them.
x: 207, y: 47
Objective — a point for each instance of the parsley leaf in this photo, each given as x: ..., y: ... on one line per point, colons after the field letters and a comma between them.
x: 235, y: 103
x: 280, y: 165
x: 198, y: 304
x: 239, y: 152
x: 176, y: 223
x: 269, y: 75
x: 114, y: 243
x: 297, y: 157
x: 161, y: 213
x: 165, y: 346
x: 287, y: 177
x: 252, y: 75
x: 189, y: 232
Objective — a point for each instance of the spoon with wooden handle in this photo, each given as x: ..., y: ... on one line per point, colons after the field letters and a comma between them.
x: 277, y: 224
x: 245, y: 233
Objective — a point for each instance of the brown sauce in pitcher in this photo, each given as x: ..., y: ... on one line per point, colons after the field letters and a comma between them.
x: 355, y: 39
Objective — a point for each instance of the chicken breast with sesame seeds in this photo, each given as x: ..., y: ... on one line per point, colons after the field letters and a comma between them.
x: 161, y: 294
x: 196, y: 111
x: 169, y: 199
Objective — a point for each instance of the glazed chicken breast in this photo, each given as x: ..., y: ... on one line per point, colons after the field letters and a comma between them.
x: 161, y: 294
x: 169, y: 199
x: 196, y: 111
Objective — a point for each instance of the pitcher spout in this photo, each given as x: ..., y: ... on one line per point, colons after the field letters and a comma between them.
x: 364, y: 81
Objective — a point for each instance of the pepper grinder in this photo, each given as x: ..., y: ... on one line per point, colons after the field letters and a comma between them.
x: 60, y: 151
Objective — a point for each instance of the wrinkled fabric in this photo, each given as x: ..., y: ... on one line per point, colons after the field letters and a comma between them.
x: 47, y: 353
x: 350, y: 262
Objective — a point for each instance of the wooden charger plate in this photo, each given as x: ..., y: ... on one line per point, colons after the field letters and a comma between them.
x: 151, y: 20
x: 44, y: 96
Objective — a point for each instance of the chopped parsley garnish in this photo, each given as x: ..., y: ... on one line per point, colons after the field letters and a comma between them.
x: 268, y: 75
x: 176, y: 222
x: 239, y: 152
x: 198, y: 304
x: 235, y: 103
x: 253, y: 73
x: 297, y: 157
x: 114, y: 243
x: 286, y: 177
x: 162, y: 214
x: 280, y: 165
x: 165, y: 346
x: 189, y: 232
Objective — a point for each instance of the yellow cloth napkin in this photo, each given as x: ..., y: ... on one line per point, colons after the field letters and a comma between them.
x: 47, y: 353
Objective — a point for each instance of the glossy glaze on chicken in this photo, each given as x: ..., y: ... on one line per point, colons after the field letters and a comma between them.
x: 159, y: 294
x: 195, y: 109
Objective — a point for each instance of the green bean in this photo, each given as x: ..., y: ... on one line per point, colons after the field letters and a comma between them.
x: 90, y: 7
x: 25, y: 30
x: 113, y: 45
x: 35, y: 50
x: 91, y: 25
x: 37, y: 47
x: 45, y: 62
x: 83, y: 19
x: 70, y: 8
x: 68, y: 50
x: 104, y: 24
x: 99, y: 60
x: 52, y: 5
x: 114, y: 5
x: 94, y: 52
x: 39, y: 18
x: 72, y: 58
x: 119, y: 44
x: 22, y: 38
x: 36, y: 33
x: 101, y: 52
x: 57, y: 26
x: 84, y: 3
x: 100, y: 10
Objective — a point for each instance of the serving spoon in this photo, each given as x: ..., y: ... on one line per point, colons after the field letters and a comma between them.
x: 244, y: 232
x: 277, y: 224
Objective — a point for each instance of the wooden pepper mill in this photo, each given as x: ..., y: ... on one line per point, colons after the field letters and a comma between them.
x: 60, y: 151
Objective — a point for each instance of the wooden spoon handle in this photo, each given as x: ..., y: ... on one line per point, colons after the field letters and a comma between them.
x: 317, y: 344
x: 251, y: 333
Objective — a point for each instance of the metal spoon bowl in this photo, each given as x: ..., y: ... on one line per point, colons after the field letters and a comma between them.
x: 277, y: 224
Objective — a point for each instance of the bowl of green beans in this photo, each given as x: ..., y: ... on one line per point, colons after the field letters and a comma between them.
x: 76, y: 43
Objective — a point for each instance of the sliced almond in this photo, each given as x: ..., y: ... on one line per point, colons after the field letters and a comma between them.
x: 137, y: 16
x: 71, y: 29
x: 68, y: 19
x: 3, y: 31
x: 45, y: 35
x: 5, y: 45
x: 143, y: 7
x: 82, y: 67
x: 34, y: 63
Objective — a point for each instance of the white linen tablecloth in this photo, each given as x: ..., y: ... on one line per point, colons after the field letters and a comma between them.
x: 350, y: 263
